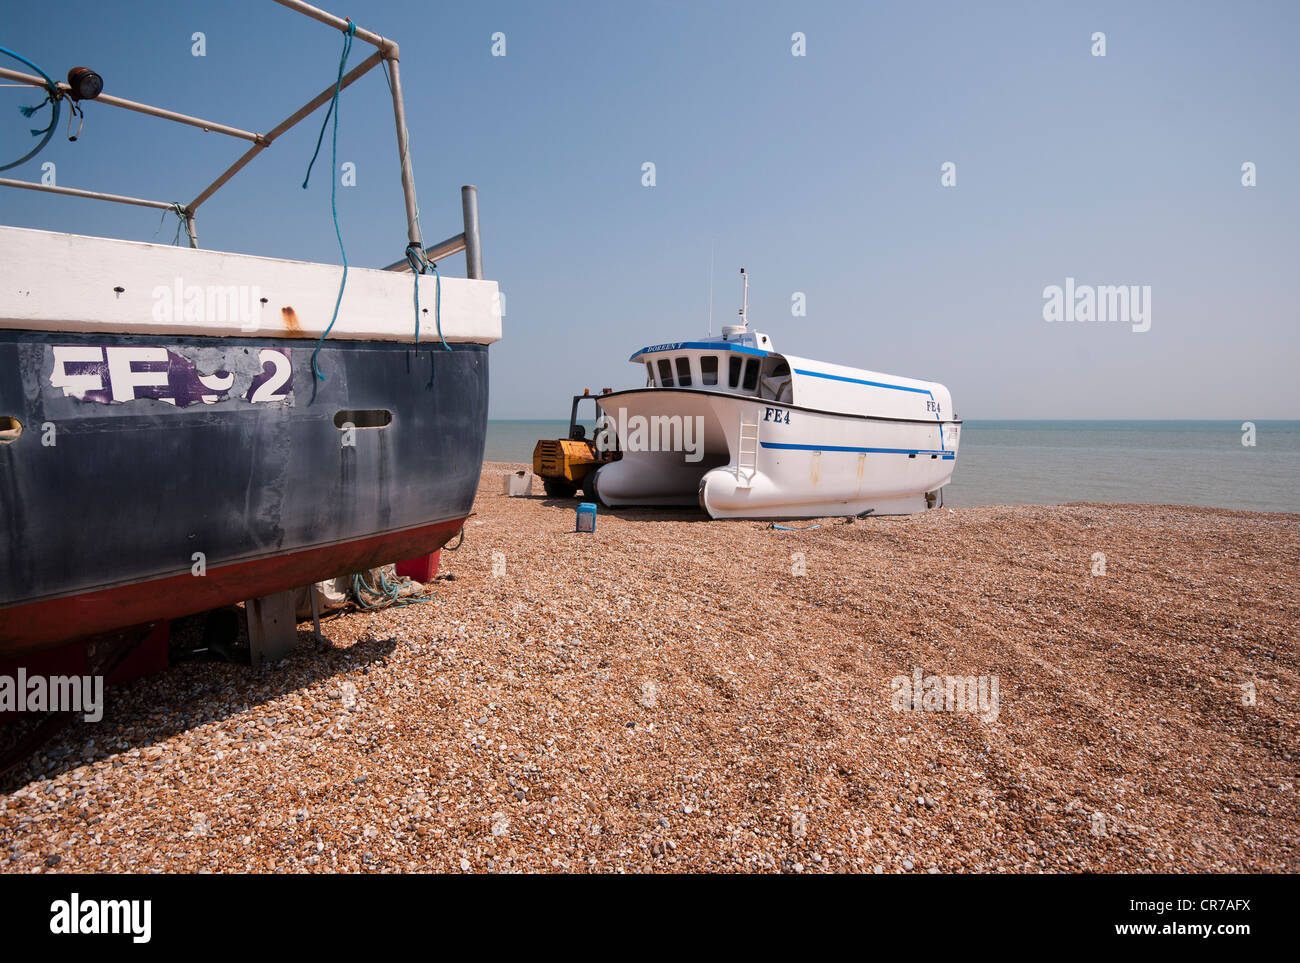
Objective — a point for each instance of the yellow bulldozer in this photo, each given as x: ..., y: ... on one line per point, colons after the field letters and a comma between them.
x: 564, y: 464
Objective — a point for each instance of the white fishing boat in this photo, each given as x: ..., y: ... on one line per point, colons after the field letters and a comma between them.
x: 750, y: 432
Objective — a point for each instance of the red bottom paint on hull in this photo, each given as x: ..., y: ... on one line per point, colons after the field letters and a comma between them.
x: 50, y: 622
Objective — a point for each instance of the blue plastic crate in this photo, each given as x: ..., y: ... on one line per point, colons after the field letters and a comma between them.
x: 586, y: 521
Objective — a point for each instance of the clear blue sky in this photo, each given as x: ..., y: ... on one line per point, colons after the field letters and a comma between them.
x: 818, y: 174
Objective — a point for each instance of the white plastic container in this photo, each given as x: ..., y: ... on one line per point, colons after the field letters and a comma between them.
x: 518, y: 483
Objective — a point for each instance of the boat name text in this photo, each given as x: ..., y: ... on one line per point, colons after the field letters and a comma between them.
x: 108, y: 374
x: 776, y: 415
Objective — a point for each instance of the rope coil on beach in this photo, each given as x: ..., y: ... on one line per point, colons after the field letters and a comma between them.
x: 387, y: 594
x: 53, y: 96
x: 334, y: 159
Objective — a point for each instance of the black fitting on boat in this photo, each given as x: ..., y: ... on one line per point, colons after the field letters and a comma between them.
x: 85, y: 84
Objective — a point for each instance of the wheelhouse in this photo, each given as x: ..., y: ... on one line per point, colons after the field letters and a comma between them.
x: 735, y: 365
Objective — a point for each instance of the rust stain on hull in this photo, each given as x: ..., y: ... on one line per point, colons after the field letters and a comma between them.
x: 292, y: 326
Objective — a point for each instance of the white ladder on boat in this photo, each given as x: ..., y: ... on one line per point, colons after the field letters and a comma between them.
x: 747, y: 452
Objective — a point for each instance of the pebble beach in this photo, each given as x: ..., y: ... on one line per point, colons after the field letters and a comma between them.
x: 674, y: 694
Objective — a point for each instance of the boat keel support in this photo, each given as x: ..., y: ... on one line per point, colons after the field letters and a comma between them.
x: 272, y: 627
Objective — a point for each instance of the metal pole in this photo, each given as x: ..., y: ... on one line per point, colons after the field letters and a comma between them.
x: 386, y: 46
x: 318, y: 101
x: 404, y: 154
x: 473, y: 243
x: 385, y: 49
x: 315, y: 613
x: 95, y: 195
x: 112, y: 101
x: 434, y: 252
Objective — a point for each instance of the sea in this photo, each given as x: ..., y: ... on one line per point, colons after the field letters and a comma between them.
x: 1053, y: 462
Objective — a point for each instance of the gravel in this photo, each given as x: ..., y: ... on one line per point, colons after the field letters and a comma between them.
x: 667, y: 695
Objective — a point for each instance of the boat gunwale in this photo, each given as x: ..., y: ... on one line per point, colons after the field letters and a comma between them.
x: 778, y: 404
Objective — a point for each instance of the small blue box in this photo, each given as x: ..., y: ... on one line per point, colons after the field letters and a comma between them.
x: 586, y: 517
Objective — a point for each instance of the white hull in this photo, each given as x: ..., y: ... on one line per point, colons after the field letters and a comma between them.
x: 156, y: 290
x: 805, y: 463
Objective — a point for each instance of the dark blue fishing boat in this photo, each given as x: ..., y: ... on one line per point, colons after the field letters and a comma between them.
x: 182, y: 429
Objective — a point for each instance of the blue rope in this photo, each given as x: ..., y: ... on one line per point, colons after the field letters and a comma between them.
x: 52, y: 97
x: 388, y: 593
x: 334, y: 182
x: 437, y: 306
x: 180, y: 221
x: 319, y: 138
x: 420, y: 264
x: 415, y: 254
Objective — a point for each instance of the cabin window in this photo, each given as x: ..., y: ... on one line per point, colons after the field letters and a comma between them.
x: 665, y: 373
x: 684, y: 372
x: 649, y: 374
x: 734, y: 371
x: 709, y: 369
x: 751, y: 374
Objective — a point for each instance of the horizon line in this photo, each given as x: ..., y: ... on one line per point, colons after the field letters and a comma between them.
x: 1043, y: 420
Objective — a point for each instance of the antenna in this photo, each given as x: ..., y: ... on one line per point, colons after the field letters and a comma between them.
x: 712, y: 245
x: 744, y: 303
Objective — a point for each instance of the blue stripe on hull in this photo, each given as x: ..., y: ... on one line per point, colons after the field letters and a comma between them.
x: 946, y: 455
x: 878, y: 384
x: 859, y: 381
